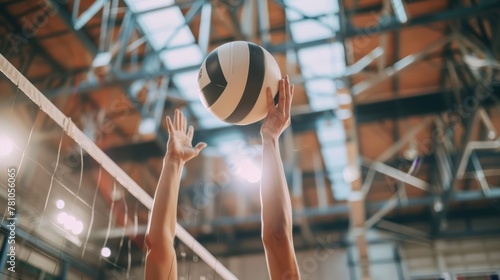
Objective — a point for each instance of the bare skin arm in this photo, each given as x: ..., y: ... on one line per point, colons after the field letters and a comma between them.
x: 161, y: 260
x: 275, y: 198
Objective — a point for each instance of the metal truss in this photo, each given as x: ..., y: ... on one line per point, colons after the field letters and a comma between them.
x: 77, y: 26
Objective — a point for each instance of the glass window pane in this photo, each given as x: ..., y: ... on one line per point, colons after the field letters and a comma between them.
x: 322, y: 102
x: 204, y: 117
x: 182, y: 57
x: 175, y: 38
x: 161, y: 20
x: 334, y: 156
x: 341, y: 189
x: 324, y: 60
x: 330, y: 131
x: 187, y: 84
x: 145, y: 5
x: 321, y: 86
x: 309, y: 30
x: 308, y: 9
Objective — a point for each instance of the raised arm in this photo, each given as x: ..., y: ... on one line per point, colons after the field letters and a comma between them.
x: 161, y: 260
x: 275, y: 198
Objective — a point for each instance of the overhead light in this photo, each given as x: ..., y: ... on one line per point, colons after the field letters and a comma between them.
x: 60, y: 204
x: 61, y: 218
x: 105, y: 252
x: 77, y: 228
x: 438, y: 206
x: 70, y: 223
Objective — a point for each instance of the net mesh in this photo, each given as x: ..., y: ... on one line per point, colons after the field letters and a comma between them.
x: 70, y: 209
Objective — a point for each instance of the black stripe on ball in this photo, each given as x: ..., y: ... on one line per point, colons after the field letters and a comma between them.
x: 255, y: 79
x: 218, y: 82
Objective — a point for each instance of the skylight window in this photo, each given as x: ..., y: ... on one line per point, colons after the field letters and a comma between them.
x: 322, y: 102
x: 182, y: 57
x: 331, y: 136
x: 187, y: 84
x: 321, y: 94
x: 341, y: 189
x: 309, y: 30
x: 321, y: 86
x: 323, y: 61
x: 331, y: 131
x: 297, y: 8
x: 174, y: 37
x: 204, y: 117
x: 145, y: 5
x: 334, y: 156
x: 161, y: 20
x: 335, y: 159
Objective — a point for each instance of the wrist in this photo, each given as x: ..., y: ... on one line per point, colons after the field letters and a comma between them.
x: 270, y: 139
x: 173, y: 159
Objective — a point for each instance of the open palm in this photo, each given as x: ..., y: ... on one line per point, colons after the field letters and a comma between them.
x: 278, y: 118
x: 180, y: 142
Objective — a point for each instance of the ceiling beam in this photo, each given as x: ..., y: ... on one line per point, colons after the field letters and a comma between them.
x: 21, y: 36
x: 451, y: 14
x: 423, y: 104
x: 371, y: 206
x: 78, y: 32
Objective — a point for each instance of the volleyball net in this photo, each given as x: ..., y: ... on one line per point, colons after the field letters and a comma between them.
x: 67, y: 209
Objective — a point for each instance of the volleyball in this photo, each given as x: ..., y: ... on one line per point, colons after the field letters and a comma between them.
x: 233, y: 80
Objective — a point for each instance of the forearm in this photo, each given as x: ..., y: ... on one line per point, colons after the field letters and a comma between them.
x: 161, y: 228
x: 275, y: 197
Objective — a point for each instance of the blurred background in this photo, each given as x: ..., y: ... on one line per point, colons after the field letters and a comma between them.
x: 392, y: 157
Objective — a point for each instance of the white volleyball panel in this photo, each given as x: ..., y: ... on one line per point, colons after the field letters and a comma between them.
x: 235, y: 69
x: 203, y: 80
x: 271, y: 79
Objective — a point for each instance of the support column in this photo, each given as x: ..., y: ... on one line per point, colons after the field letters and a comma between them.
x: 64, y: 271
x: 352, y: 175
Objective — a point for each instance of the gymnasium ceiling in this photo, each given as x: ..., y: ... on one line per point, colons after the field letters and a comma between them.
x: 400, y: 73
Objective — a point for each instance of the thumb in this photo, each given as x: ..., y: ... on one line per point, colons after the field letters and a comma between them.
x: 200, y: 146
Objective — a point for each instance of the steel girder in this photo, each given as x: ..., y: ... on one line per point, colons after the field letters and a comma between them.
x: 349, y: 32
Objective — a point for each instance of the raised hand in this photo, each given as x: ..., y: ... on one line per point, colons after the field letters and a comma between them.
x: 277, y: 221
x: 278, y: 118
x: 179, y: 144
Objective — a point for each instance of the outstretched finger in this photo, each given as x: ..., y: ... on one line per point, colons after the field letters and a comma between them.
x: 289, y: 95
x: 190, y: 133
x: 183, y: 123
x: 269, y: 99
x: 282, y: 97
x: 170, y: 126
x: 177, y: 119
